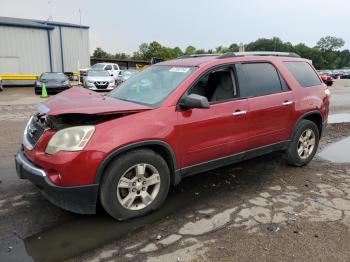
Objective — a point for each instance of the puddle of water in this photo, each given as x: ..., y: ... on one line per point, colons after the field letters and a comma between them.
x: 86, y: 233
x: 339, y: 118
x: 337, y: 152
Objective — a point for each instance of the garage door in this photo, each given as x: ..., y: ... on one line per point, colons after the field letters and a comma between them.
x: 9, y: 65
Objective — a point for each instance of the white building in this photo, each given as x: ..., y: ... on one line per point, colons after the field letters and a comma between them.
x: 33, y: 46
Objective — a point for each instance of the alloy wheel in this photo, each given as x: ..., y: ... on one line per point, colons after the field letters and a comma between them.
x: 138, y: 186
x: 306, y: 144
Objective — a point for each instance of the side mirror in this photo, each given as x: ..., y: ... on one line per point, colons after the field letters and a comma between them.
x: 111, y: 74
x: 194, y: 101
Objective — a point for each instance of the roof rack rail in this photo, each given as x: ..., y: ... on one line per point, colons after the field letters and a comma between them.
x: 196, y: 55
x: 258, y: 53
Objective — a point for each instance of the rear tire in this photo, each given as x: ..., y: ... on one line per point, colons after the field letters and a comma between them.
x: 304, y: 143
x: 134, y: 184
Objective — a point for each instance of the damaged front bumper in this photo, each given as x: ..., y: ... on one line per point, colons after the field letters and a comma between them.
x: 77, y: 199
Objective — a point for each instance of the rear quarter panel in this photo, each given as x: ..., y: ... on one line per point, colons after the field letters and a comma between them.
x: 307, y: 99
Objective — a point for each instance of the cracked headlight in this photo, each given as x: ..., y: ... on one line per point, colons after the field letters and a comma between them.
x: 70, y: 139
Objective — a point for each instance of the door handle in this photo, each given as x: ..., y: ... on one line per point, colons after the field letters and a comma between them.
x: 287, y: 103
x: 239, y: 113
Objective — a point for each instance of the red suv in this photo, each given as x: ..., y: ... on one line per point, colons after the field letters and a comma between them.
x: 175, y: 119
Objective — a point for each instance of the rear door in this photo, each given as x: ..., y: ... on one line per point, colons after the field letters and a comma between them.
x: 270, y: 103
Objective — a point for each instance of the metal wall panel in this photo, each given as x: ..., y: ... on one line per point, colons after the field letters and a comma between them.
x: 26, y: 50
x: 27, y: 46
x: 56, y: 50
x: 76, y: 50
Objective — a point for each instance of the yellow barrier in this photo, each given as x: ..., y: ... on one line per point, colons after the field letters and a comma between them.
x: 19, y: 77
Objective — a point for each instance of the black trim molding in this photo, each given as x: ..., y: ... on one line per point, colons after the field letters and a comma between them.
x: 229, y: 160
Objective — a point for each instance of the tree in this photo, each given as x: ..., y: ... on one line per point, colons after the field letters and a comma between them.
x: 199, y: 51
x: 190, y: 50
x: 273, y: 44
x: 220, y: 49
x: 177, y: 52
x: 233, y: 48
x: 330, y: 43
x: 324, y: 56
x: 100, y: 53
x: 121, y: 56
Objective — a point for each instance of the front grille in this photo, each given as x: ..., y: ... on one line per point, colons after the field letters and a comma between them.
x: 35, y: 130
x: 101, y: 84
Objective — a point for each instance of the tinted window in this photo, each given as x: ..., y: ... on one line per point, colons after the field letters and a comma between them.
x: 303, y: 73
x: 258, y: 79
x: 108, y: 67
x: 218, y: 85
x: 115, y: 67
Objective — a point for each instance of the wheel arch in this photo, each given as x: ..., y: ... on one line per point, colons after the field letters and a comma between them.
x: 158, y: 146
x: 313, y: 116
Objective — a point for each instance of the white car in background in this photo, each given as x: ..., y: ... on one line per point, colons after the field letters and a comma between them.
x: 112, y: 69
x: 125, y: 75
x: 99, y: 80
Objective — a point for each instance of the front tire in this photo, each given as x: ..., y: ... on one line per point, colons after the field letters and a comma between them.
x: 304, y: 143
x: 134, y: 184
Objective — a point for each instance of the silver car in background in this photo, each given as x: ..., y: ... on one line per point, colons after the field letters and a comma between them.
x: 99, y: 80
x: 125, y: 75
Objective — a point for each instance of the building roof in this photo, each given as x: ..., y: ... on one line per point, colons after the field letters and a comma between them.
x: 32, y: 23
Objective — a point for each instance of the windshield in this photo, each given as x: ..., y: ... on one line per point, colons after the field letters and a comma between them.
x: 98, y: 66
x: 98, y: 73
x: 153, y: 85
x: 53, y: 76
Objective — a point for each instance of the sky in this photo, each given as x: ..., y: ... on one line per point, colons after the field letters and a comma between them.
x: 121, y: 26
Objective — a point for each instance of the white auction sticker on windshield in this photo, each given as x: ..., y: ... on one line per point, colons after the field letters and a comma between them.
x: 179, y: 69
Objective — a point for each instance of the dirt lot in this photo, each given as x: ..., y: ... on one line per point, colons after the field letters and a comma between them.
x: 258, y: 210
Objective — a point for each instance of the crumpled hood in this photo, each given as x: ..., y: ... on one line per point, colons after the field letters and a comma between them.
x: 78, y: 100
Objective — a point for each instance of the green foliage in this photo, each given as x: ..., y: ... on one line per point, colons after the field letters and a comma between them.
x: 99, y: 53
x: 190, y: 50
x: 122, y: 56
x: 325, y: 55
x: 330, y: 43
x: 274, y: 44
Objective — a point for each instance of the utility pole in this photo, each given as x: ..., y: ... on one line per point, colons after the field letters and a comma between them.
x: 241, y: 47
x: 80, y: 17
x: 50, y: 15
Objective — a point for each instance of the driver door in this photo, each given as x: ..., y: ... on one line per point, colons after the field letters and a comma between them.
x: 216, y: 132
